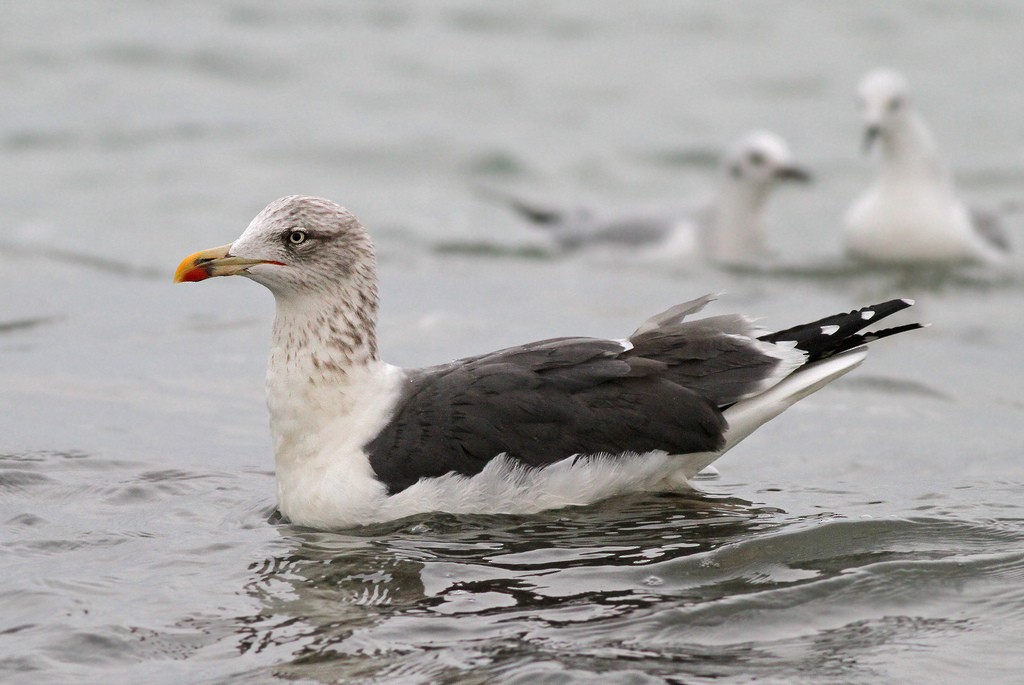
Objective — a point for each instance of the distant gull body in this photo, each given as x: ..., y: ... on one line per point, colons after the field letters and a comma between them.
x: 728, y: 229
x: 559, y: 422
x: 911, y: 214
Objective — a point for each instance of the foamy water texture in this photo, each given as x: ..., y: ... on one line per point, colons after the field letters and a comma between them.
x: 871, y: 534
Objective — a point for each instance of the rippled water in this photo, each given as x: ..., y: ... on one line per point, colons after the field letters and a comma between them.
x: 690, y: 589
x: 871, y: 534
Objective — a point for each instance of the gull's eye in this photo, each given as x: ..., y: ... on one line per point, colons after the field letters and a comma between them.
x: 296, y: 237
x: 756, y: 158
x: 895, y: 104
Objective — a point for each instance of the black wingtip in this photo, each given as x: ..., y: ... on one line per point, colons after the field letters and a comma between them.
x: 840, y: 332
x: 538, y: 215
x: 533, y: 212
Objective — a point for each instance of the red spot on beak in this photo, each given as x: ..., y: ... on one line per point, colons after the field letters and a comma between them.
x: 193, y: 275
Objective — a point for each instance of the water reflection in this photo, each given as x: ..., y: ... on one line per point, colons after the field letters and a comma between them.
x: 698, y: 584
x: 437, y: 579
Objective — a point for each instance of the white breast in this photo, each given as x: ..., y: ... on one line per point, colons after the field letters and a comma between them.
x: 910, y: 222
x: 324, y: 478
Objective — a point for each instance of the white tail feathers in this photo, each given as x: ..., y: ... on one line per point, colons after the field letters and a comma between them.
x: 746, y: 416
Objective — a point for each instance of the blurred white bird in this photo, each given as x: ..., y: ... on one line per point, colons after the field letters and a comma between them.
x: 729, y: 228
x: 911, y: 214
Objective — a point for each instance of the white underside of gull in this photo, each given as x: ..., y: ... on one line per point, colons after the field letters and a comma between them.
x: 325, y: 479
x: 916, y: 220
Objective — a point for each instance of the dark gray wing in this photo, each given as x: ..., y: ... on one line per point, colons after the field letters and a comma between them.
x: 989, y: 227
x: 543, y: 402
x: 576, y: 227
x: 549, y: 400
x: 544, y: 215
x: 632, y: 230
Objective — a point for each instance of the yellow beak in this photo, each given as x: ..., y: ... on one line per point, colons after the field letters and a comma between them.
x: 213, y: 262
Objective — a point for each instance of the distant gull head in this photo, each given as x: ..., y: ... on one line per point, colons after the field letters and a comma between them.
x: 752, y: 168
x: 883, y: 96
x: 911, y: 214
x: 760, y: 158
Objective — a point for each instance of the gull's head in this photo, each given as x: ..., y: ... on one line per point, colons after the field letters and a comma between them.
x: 760, y: 158
x: 883, y: 101
x: 297, y: 245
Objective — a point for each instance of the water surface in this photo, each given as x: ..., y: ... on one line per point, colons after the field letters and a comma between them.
x: 871, y: 534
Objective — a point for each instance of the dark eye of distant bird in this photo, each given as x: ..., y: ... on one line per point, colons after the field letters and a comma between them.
x: 895, y: 104
x: 296, y: 237
x: 756, y: 158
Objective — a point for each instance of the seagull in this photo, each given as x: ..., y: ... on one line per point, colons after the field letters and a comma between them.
x: 728, y: 229
x: 912, y: 214
x: 554, y: 423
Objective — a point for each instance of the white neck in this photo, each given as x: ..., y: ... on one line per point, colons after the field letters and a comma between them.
x: 737, y: 230
x: 909, y: 151
x: 328, y: 394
